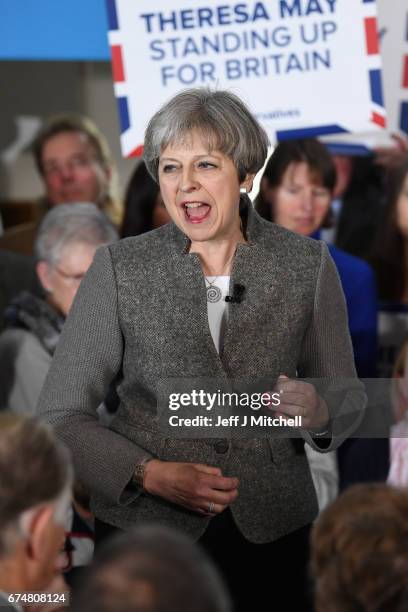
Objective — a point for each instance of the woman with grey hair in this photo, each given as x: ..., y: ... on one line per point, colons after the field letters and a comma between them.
x: 218, y: 294
x: 65, y: 246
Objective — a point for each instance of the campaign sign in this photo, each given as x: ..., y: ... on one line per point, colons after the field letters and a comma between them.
x: 304, y: 67
x: 393, y: 26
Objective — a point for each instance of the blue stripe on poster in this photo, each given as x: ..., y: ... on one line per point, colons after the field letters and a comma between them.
x: 339, y: 148
x: 123, y: 114
x: 404, y: 117
x: 376, y: 87
x: 112, y: 14
x: 319, y: 130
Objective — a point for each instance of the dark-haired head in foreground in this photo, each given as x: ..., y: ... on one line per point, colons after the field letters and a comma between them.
x: 151, y: 569
x: 360, y: 551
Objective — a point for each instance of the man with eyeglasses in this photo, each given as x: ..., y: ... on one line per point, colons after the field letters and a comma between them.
x: 75, y: 164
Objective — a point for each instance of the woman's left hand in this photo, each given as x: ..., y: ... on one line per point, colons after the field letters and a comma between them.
x: 299, y: 398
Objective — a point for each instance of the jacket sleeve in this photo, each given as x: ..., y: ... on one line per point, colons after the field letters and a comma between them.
x: 327, y: 354
x: 88, y: 356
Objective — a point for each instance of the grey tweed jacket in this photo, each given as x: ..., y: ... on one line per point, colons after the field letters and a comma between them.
x: 142, y: 307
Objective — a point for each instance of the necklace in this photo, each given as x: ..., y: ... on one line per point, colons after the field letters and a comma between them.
x: 213, y: 292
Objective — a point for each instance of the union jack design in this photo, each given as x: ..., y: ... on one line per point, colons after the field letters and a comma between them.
x: 404, y: 103
x: 119, y: 74
x: 378, y: 113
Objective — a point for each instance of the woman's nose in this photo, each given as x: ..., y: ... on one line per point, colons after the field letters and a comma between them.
x: 307, y: 201
x: 188, y: 181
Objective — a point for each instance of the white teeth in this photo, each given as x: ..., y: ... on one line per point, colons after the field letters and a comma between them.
x: 193, y: 204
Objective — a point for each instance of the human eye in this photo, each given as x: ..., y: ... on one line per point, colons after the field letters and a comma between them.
x: 168, y: 168
x: 293, y: 189
x: 50, y: 169
x: 80, y: 161
x: 321, y: 193
x: 206, y: 164
x: 78, y: 277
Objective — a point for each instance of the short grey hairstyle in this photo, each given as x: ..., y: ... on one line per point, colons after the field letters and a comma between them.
x: 220, y: 117
x: 35, y: 468
x: 71, y: 224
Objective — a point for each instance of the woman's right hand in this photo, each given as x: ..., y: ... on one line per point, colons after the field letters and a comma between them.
x: 194, y: 486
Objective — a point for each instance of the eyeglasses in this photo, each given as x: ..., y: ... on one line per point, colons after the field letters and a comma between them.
x: 79, y: 162
x: 72, y: 279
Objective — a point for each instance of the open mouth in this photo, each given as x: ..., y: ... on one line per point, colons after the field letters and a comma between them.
x: 196, y: 212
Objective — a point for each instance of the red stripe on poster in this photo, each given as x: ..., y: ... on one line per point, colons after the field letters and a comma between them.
x: 372, y: 42
x: 378, y: 119
x: 138, y: 152
x: 117, y: 64
x: 405, y: 75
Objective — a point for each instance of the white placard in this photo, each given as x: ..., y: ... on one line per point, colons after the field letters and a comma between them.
x: 305, y: 67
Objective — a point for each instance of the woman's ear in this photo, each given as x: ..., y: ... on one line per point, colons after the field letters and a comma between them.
x: 247, y: 183
x: 43, y: 270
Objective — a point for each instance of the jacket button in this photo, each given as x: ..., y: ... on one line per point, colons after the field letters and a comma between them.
x: 221, y: 446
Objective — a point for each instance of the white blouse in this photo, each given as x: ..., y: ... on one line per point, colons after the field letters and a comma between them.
x: 218, y: 311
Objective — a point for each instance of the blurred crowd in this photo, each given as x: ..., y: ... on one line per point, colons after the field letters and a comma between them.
x: 359, y: 558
